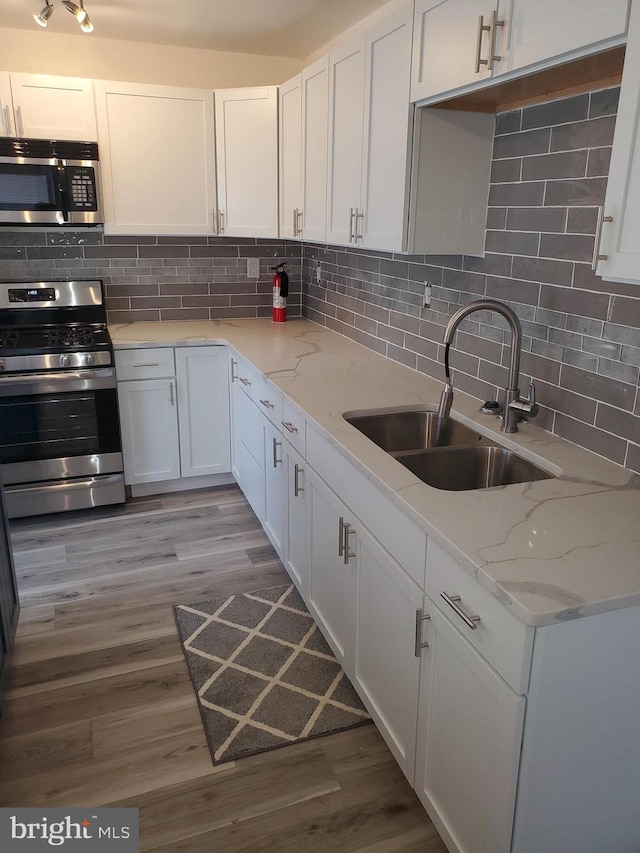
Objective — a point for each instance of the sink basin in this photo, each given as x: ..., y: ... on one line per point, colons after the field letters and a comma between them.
x: 394, y: 431
x: 476, y: 467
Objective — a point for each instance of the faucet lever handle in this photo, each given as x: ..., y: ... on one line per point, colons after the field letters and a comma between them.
x: 531, y: 395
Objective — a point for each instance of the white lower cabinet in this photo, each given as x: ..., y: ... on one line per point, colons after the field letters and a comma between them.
x: 174, y: 415
x: 149, y: 427
x: 296, y: 541
x: 247, y: 449
x: 274, y: 485
x: 386, y: 669
x: 333, y: 567
x: 469, y: 734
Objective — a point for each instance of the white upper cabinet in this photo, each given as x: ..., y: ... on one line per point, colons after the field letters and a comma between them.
x: 156, y: 149
x: 452, y: 44
x: 619, y: 249
x: 247, y: 161
x: 458, y: 44
x: 385, y: 142
x: 290, y: 152
x: 540, y: 30
x: 346, y: 124
x: 369, y: 136
x: 315, y: 119
x: 46, y: 107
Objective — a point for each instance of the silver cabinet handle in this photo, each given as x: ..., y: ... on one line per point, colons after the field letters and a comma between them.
x: 288, y: 425
x: 452, y: 601
x: 7, y: 121
x: 419, y: 643
x: 214, y: 220
x: 244, y: 381
x: 298, y: 226
x: 598, y: 239
x: 340, y: 536
x: 352, y: 214
x: 171, y: 395
x: 358, y: 218
x: 493, y: 26
x: 347, y: 554
x: 276, y: 445
x: 234, y: 365
x: 220, y: 222
x: 19, y: 121
x: 295, y: 222
x: 147, y: 364
x: 482, y: 28
x: 267, y: 404
x: 297, y: 488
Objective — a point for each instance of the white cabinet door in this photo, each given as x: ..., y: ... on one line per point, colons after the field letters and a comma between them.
x: 315, y: 120
x: 450, y: 49
x: 469, y: 735
x: 333, y: 572
x: 49, y: 107
x: 290, y: 150
x: 203, y: 410
x: 149, y: 426
x: 386, y: 669
x: 387, y: 133
x: 296, y: 539
x: 274, y: 486
x: 346, y: 122
x: 540, y: 30
x: 247, y: 428
x: 157, y: 162
x: 247, y: 161
x: 620, y: 246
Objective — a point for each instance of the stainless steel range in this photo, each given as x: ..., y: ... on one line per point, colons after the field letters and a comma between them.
x: 59, y: 429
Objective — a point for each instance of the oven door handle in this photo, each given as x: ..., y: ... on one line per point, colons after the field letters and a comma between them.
x: 44, y: 383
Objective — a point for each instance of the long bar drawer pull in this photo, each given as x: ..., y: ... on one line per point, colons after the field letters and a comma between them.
x: 288, y: 425
x: 244, y: 381
x: 341, y: 537
x: 419, y: 644
x: 297, y: 488
x: 147, y: 364
x: 348, y: 530
x: 234, y: 370
x: 267, y: 404
x: 598, y: 239
x: 276, y: 445
x: 452, y: 601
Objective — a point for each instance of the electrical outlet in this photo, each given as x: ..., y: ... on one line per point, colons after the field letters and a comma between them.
x: 426, y: 301
x: 318, y: 273
x: 253, y: 267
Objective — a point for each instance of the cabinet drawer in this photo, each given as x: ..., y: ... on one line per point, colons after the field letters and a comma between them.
x: 151, y: 363
x: 294, y: 426
x: 504, y: 641
x: 266, y: 396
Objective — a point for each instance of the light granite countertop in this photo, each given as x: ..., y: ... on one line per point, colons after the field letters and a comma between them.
x: 552, y: 550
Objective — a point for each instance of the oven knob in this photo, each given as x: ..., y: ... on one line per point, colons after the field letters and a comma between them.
x: 64, y: 360
x: 88, y: 358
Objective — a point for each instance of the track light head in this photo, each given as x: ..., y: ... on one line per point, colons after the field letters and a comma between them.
x: 85, y: 25
x: 42, y: 17
x: 78, y: 11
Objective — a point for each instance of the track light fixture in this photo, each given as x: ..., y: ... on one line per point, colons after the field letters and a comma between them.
x: 42, y: 17
x: 78, y: 11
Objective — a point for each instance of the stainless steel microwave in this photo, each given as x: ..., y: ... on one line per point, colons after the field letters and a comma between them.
x: 46, y: 182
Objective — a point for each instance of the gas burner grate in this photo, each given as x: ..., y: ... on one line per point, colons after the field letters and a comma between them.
x: 78, y: 336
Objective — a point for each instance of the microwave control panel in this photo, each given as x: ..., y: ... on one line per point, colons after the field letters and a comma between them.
x: 82, y: 188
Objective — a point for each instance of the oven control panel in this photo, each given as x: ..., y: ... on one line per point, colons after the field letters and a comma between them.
x: 31, y: 294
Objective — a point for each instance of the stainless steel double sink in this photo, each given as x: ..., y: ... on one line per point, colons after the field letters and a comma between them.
x: 444, y: 453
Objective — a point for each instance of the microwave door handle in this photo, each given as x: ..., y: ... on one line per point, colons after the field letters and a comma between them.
x: 64, y: 192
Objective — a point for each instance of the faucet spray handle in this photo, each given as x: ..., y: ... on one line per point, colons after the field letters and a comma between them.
x: 527, y: 407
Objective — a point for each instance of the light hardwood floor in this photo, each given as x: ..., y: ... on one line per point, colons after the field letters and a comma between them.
x: 100, y: 710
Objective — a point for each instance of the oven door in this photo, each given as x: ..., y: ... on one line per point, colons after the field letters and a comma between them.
x: 60, y: 436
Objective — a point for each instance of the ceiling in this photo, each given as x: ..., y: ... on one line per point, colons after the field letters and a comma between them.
x: 294, y: 28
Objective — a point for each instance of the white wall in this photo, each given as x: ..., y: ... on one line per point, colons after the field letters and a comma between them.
x: 44, y: 52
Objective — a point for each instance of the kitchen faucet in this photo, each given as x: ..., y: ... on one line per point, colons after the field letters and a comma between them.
x: 515, y: 408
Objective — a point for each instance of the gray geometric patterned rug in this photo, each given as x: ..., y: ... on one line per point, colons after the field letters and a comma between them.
x: 263, y: 673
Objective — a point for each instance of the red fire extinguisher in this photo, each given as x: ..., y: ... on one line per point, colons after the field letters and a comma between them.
x: 280, y: 293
